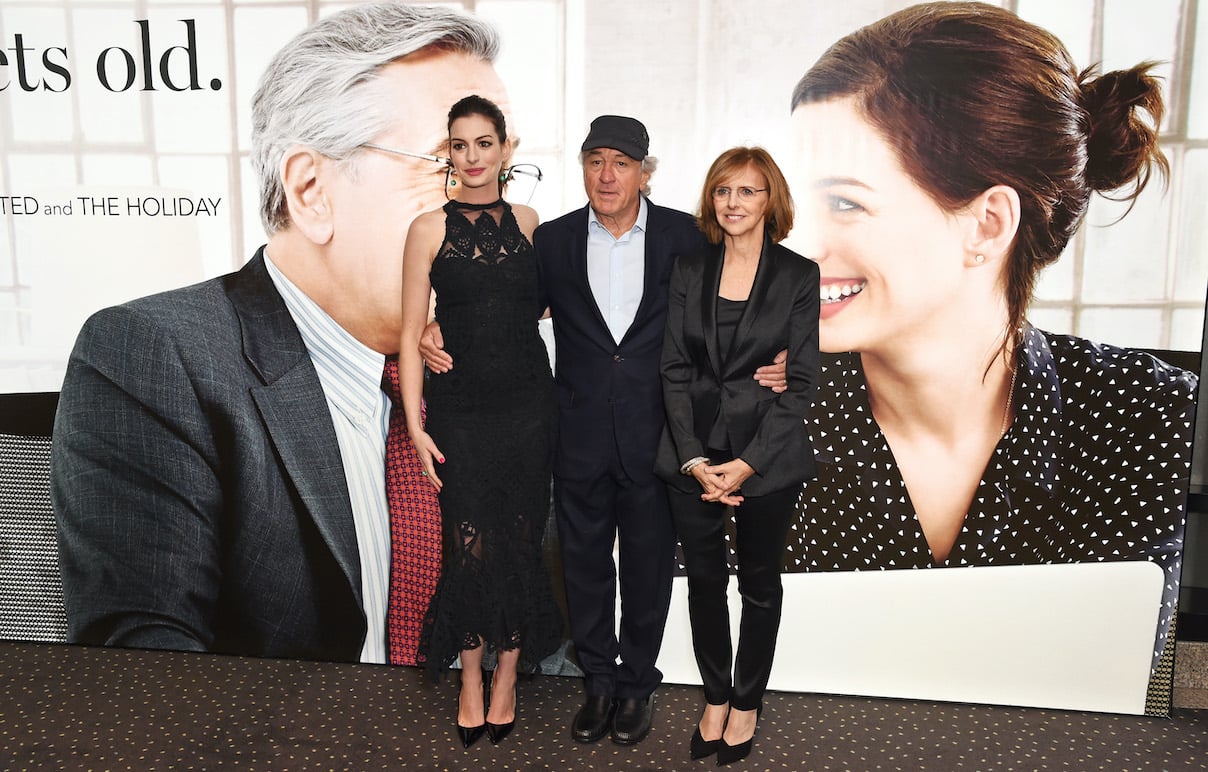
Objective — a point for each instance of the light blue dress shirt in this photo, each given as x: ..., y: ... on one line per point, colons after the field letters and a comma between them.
x: 616, y: 270
x: 351, y: 376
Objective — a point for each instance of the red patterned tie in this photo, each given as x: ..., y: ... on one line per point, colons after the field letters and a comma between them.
x: 414, y: 530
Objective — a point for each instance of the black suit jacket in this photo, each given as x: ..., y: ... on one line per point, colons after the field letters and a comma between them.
x: 609, y: 393
x: 197, y: 481
x: 767, y: 430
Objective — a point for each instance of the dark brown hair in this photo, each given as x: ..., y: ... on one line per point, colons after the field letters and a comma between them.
x: 779, y: 213
x: 476, y: 105
x: 971, y: 96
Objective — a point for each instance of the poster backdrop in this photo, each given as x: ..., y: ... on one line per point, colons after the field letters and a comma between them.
x: 123, y: 171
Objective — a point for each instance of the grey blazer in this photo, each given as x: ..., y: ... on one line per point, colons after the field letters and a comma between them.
x: 197, y: 481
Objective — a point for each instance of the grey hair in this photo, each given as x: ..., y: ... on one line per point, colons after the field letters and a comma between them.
x: 649, y: 165
x: 321, y: 89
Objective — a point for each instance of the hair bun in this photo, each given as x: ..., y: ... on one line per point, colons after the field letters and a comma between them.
x: 1124, y: 109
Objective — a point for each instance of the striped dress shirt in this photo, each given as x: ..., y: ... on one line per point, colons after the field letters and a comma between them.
x: 351, y: 376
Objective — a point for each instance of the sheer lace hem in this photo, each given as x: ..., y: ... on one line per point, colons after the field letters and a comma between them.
x: 502, y: 602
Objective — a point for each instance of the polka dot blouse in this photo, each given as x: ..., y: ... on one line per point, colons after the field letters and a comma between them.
x: 1093, y: 468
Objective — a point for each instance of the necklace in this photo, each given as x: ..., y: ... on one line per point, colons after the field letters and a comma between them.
x: 1006, y: 413
x: 476, y: 207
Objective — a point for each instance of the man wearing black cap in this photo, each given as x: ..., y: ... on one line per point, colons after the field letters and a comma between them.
x: 604, y: 274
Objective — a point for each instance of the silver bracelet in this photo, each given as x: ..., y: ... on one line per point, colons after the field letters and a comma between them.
x: 693, y: 462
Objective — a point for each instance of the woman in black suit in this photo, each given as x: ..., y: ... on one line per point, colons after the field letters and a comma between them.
x: 731, y: 442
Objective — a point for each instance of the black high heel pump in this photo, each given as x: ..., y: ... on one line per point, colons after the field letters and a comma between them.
x: 470, y: 734
x: 699, y: 748
x: 499, y: 731
x: 728, y: 754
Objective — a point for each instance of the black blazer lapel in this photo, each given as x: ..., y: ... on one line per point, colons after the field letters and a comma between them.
x: 577, y: 249
x: 757, y: 299
x: 654, y: 268
x: 294, y: 410
x: 709, y: 287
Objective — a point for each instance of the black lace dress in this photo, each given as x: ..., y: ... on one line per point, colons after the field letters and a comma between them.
x: 493, y: 416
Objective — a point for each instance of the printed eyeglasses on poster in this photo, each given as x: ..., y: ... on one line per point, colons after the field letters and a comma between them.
x: 526, y: 170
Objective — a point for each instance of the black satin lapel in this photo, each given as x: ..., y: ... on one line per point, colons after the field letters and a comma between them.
x: 710, y: 286
x: 757, y: 299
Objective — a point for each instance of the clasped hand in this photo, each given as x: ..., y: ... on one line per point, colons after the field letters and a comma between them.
x: 721, y: 482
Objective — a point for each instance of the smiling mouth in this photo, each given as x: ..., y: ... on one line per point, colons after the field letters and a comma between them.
x: 833, y: 293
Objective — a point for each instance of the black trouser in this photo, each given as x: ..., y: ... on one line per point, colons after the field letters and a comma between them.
x: 761, y: 526
x: 591, y: 515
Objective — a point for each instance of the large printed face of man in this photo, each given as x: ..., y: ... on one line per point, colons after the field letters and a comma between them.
x: 375, y: 203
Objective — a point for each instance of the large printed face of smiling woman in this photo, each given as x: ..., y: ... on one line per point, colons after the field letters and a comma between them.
x: 895, y: 265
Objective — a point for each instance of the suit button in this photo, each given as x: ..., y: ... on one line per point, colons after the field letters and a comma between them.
x: 616, y: 357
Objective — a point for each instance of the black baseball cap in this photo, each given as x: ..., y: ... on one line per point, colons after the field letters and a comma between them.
x: 619, y: 133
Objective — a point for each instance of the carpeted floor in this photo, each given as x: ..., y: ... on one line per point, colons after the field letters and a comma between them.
x: 71, y: 707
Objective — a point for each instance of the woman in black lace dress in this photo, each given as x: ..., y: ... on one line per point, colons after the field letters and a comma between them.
x: 490, y: 424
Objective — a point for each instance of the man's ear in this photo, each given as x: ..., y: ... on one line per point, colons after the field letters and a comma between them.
x: 995, y: 216
x: 304, y: 174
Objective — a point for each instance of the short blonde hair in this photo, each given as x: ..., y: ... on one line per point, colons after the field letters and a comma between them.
x: 779, y: 214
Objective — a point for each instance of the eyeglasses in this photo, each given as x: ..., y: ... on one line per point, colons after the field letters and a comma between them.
x: 522, y: 190
x: 528, y: 170
x: 520, y: 182
x: 721, y: 193
x: 409, y: 154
